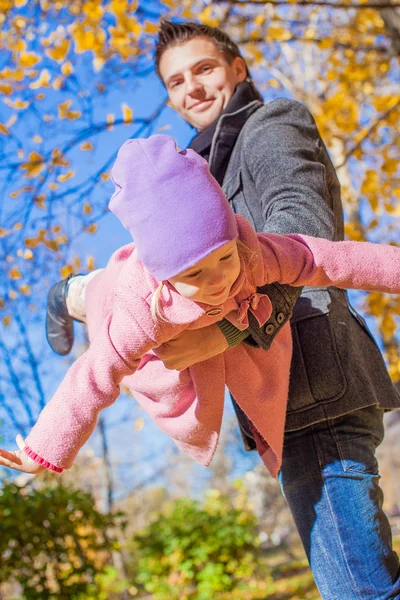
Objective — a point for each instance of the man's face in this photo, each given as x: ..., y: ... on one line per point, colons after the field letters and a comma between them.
x: 199, y: 80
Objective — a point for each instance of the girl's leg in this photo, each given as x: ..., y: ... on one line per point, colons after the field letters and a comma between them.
x: 76, y: 294
x: 330, y: 480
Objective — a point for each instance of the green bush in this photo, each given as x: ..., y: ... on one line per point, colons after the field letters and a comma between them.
x: 197, y: 551
x: 52, y: 541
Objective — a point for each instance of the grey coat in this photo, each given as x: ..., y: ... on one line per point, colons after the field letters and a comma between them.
x: 277, y: 173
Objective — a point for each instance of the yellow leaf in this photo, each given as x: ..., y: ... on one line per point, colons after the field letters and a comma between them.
x: 390, y: 166
x: 127, y: 113
x: 86, y: 146
x: 65, y: 271
x: 59, y: 52
x: 7, y: 320
x: 17, y: 104
x: 32, y: 242
x: 53, y: 186
x: 205, y: 17
x: 39, y: 200
x: 393, y: 210
x: 353, y: 233
x: 6, y: 89
x: 42, y: 81
x: 58, y: 83
x: 90, y: 263
x: 34, y: 166
x: 110, y: 121
x: 277, y: 33
x: 18, y: 226
x: 28, y: 254
x: 65, y: 113
x: 58, y: 158
x: 384, y: 103
x: 28, y: 59
x: 25, y: 289
x: 91, y: 228
x: 67, y: 68
x: 139, y: 424
x: 325, y: 43
x: 151, y: 28
x: 12, y: 295
x: 2, y: 304
x: 105, y: 176
x: 37, y: 139
x: 66, y: 176
x: 87, y: 209
x: 370, y: 183
x: 14, y: 273
x: 4, y: 232
x: 4, y: 130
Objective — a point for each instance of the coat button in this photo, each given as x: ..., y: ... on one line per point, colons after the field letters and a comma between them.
x: 280, y: 317
x: 269, y: 329
x: 213, y: 312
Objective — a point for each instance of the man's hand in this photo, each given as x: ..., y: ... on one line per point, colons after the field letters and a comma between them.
x: 192, y: 346
x: 18, y: 460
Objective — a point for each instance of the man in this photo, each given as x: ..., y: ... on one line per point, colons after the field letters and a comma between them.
x: 275, y: 171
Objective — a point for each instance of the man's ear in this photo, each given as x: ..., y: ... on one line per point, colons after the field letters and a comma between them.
x: 239, y: 67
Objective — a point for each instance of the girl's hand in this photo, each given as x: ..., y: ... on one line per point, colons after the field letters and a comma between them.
x: 18, y: 460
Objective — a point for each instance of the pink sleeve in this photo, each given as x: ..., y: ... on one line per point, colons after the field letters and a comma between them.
x: 91, y: 384
x: 303, y: 260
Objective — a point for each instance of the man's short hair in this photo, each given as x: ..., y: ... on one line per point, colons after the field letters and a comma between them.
x: 172, y: 34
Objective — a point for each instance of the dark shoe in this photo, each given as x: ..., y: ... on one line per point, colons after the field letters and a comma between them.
x: 59, y: 325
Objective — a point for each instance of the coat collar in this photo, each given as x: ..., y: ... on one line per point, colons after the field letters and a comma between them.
x: 216, y: 143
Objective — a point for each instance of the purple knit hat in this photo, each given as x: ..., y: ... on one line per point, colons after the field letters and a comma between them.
x: 173, y: 207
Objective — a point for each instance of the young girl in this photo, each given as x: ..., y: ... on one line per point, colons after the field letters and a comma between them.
x: 193, y: 262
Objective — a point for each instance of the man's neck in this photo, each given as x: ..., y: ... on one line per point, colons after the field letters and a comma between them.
x: 244, y: 93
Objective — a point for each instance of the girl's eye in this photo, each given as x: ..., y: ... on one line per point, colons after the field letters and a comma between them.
x: 193, y: 275
x: 227, y: 257
x: 206, y: 68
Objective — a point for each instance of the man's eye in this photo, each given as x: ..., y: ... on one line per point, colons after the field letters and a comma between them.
x: 206, y: 68
x: 174, y: 84
x: 227, y: 257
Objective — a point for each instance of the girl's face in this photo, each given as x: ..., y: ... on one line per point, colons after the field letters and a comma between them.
x: 211, y: 279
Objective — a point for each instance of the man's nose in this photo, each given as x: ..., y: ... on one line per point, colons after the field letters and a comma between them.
x: 193, y: 86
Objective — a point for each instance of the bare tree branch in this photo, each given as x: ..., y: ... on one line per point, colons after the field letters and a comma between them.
x: 372, y: 128
x: 345, y: 46
x: 378, y: 5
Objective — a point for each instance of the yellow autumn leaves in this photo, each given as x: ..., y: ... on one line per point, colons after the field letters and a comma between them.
x: 36, y: 163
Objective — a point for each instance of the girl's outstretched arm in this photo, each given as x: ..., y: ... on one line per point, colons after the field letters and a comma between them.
x: 303, y: 260
x: 91, y: 384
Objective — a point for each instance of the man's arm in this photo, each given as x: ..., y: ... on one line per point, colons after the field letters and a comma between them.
x: 285, y: 158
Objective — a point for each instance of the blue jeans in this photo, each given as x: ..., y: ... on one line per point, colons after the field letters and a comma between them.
x: 330, y: 480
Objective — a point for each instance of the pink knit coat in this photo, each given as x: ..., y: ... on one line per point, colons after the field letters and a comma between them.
x: 188, y: 405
